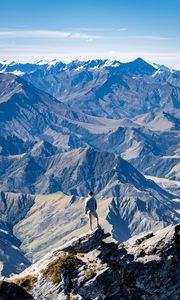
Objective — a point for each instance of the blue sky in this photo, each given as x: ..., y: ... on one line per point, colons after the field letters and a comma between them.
x: 75, y: 29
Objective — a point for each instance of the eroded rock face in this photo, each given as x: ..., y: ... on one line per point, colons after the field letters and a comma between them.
x: 146, y: 267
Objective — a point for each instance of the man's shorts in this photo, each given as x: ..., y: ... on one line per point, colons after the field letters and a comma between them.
x: 93, y: 213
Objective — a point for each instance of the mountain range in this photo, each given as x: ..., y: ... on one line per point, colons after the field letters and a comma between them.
x: 105, y: 88
x: 103, y: 125
x: 142, y: 140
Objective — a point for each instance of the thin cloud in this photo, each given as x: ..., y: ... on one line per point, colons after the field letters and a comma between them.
x: 47, y: 34
x: 96, y: 29
x: 150, y: 37
x: 103, y: 30
x: 122, y: 29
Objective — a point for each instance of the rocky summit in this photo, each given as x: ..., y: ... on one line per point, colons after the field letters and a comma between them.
x: 89, y: 267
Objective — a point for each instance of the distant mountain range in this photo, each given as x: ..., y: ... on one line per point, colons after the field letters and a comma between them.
x: 34, y: 121
x: 100, y: 125
x: 105, y: 88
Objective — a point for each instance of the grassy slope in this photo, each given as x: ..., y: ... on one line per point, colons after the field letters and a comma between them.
x: 52, y: 221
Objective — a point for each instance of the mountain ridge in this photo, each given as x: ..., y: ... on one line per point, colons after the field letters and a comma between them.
x: 145, y: 267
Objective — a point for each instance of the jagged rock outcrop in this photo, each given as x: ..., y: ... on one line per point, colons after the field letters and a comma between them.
x: 84, y: 243
x: 145, y: 268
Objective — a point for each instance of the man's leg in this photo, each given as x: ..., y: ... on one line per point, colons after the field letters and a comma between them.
x: 97, y: 218
x: 90, y: 221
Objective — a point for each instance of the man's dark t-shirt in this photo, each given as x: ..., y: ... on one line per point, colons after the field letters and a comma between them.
x: 91, y: 204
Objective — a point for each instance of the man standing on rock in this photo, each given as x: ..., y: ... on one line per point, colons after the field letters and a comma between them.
x: 90, y: 208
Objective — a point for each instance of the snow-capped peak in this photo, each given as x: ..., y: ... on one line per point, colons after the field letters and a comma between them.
x: 42, y: 62
x: 111, y: 63
x: 161, y: 67
x: 106, y: 63
x: 8, y: 62
x: 48, y: 63
x: 158, y: 71
x: 53, y: 62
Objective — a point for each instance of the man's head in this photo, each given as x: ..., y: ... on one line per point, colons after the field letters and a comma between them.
x: 90, y: 193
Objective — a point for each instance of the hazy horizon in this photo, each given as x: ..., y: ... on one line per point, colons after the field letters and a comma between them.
x: 69, y: 30
x: 81, y: 60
